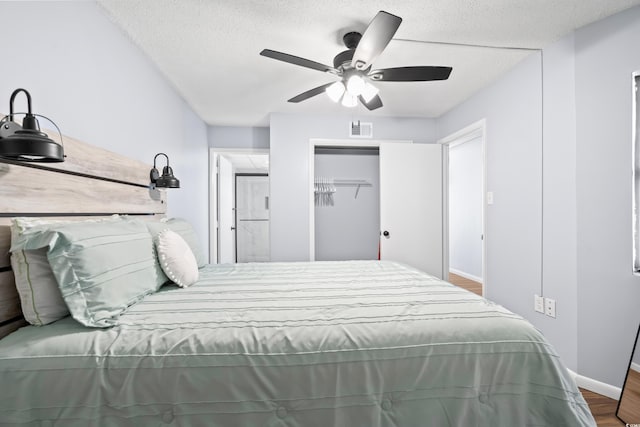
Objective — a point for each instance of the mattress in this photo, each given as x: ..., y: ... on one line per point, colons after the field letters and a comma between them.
x: 354, y: 343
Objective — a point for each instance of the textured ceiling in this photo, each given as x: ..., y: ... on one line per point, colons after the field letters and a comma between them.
x: 209, y: 49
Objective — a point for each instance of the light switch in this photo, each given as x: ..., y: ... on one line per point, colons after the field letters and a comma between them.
x: 538, y: 303
x: 489, y: 197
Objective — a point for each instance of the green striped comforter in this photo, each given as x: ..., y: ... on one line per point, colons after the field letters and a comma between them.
x: 357, y: 343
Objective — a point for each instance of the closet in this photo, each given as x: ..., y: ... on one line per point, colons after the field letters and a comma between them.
x: 346, y: 203
x: 382, y: 200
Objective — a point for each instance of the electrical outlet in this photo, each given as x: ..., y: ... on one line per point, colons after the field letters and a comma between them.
x: 550, y: 307
x: 538, y: 304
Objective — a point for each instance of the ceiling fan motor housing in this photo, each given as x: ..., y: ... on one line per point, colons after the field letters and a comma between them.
x: 343, y: 59
x: 351, y: 39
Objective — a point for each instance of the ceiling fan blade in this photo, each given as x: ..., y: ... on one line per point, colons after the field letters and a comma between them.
x: 296, y: 60
x: 310, y: 93
x: 375, y: 102
x: 375, y: 38
x: 411, y: 74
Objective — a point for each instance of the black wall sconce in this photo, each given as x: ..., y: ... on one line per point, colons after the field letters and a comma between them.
x: 27, y: 143
x: 167, y: 180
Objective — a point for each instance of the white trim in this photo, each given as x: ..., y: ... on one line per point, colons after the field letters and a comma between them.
x: 465, y: 275
x: 596, y: 386
x: 635, y: 367
x: 319, y: 142
x: 634, y: 219
x: 213, y: 194
x: 466, y: 134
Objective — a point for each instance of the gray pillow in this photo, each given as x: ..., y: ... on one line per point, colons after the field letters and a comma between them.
x: 102, y: 268
x: 40, y: 296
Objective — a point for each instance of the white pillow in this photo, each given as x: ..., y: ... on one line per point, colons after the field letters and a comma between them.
x: 176, y: 258
x: 184, y: 229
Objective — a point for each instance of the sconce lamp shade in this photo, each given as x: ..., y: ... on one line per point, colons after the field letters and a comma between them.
x: 167, y: 180
x: 27, y: 143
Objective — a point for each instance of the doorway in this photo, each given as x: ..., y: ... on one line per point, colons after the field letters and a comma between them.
x: 239, y: 204
x: 466, y: 177
x: 411, y: 201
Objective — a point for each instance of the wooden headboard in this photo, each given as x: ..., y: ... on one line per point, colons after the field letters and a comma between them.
x: 91, y: 182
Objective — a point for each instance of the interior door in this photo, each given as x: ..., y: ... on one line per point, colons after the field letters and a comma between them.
x: 226, y: 228
x: 252, y: 218
x: 411, y: 218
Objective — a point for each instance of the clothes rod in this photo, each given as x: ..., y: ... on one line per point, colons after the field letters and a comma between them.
x: 352, y: 183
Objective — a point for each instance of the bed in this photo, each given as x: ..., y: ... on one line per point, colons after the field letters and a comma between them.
x: 353, y: 343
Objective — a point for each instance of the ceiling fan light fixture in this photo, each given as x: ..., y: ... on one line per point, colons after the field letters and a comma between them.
x: 369, y: 91
x: 353, y: 67
x: 335, y: 91
x: 355, y: 85
x: 349, y: 100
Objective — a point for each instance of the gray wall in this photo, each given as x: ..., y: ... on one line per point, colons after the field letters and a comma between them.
x: 350, y: 229
x: 289, y: 157
x: 608, y: 296
x: 512, y: 109
x: 586, y: 227
x: 83, y: 73
x: 238, y: 137
x: 465, y: 208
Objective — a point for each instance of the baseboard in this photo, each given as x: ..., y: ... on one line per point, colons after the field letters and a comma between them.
x: 596, y: 386
x: 635, y: 367
x: 466, y: 275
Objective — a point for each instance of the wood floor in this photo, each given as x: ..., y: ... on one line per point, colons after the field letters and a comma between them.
x: 468, y: 284
x: 630, y: 403
x: 602, y: 408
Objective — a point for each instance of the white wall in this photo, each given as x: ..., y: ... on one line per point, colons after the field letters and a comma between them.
x: 465, y: 208
x: 608, y: 295
x: 350, y: 229
x: 560, y: 254
x: 290, y: 186
x: 83, y: 73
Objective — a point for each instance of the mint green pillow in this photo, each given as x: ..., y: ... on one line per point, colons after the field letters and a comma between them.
x: 40, y: 297
x: 103, y: 268
x: 184, y: 229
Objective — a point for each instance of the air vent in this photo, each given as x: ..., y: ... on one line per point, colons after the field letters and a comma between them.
x: 360, y: 130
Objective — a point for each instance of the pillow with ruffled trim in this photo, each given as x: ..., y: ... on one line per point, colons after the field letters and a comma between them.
x: 176, y: 258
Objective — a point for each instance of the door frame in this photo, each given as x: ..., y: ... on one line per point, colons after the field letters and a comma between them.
x: 337, y: 143
x: 466, y: 134
x: 213, y: 192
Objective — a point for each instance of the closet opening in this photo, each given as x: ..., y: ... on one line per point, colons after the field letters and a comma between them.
x: 346, y: 186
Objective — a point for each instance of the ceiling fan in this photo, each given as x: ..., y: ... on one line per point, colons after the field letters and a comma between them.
x: 353, y: 66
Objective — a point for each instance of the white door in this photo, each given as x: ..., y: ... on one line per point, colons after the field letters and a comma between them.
x: 411, y: 205
x: 226, y: 236
x: 252, y: 218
